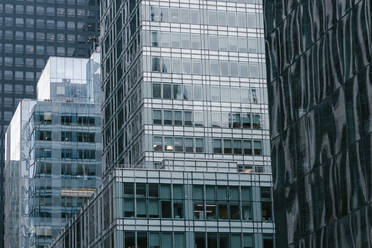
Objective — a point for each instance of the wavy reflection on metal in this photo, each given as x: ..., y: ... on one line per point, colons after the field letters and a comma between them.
x: 320, y: 96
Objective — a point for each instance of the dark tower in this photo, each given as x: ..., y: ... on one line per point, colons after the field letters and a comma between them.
x: 320, y: 97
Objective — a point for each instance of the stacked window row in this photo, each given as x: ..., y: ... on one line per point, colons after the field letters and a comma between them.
x: 154, y: 239
x: 206, y: 93
x: 168, y: 201
x: 211, y: 67
x: 203, y: 41
x: 222, y: 202
x: 201, y: 240
x: 69, y: 170
x: 66, y: 153
x: 223, y: 240
x: 9, y: 8
x: 237, y: 146
x: 197, y: 145
x: 40, y: 50
x: 45, y: 118
x: 178, y: 144
x: 41, y: 23
x: 229, y: 202
x: 38, y: 36
x: 208, y: 17
x: 19, y: 75
x: 197, y: 118
x: 41, y: 10
x: 67, y: 136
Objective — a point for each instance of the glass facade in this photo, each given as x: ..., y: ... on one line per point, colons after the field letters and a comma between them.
x: 186, y: 157
x: 184, y: 84
x: 30, y: 32
x: 157, y: 208
x: 53, y: 153
x: 319, y: 83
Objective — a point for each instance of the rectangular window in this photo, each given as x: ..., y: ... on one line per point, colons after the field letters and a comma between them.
x: 217, y: 146
x: 189, y: 145
x: 153, y: 208
x: 178, y: 144
x: 157, y: 144
x: 157, y: 117
x: 167, y: 91
x: 155, y: 67
x: 246, y: 120
x: 156, y: 91
x: 258, y: 147
x: 198, y: 119
x: 199, y: 145
x: 178, y: 118
x: 188, y: 118
x: 257, y: 122
x: 168, y: 144
x: 187, y: 92
x: 177, y: 92
x: 227, y: 146
x: 247, y: 147
x: 168, y: 117
x: 238, y: 147
x: 236, y: 120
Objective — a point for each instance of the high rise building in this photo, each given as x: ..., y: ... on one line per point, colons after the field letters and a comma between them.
x: 30, y: 32
x: 53, y: 152
x: 185, y: 131
x: 320, y: 98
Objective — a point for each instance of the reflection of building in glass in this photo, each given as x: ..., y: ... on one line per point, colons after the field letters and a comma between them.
x: 30, y: 32
x: 320, y: 88
x: 184, y: 95
x: 53, y: 152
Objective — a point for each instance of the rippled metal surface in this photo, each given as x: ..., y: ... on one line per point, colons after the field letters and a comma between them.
x: 320, y: 92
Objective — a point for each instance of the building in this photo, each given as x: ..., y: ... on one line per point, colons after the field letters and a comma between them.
x: 185, y: 129
x: 320, y: 98
x: 30, y: 32
x: 53, y: 152
x: 162, y: 208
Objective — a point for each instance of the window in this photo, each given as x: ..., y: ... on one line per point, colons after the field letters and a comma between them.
x: 257, y: 147
x: 217, y: 146
x: 238, y: 147
x: 155, y: 64
x: 167, y: 91
x: 227, y: 146
x: 128, y: 207
x: 188, y: 118
x: 177, y: 91
x: 168, y: 144
x: 187, y: 92
x: 189, y: 145
x: 199, y: 145
x: 236, y: 121
x: 66, y: 153
x: 157, y: 117
x: 156, y: 91
x: 246, y: 120
x: 198, y: 119
x: 257, y: 122
x: 44, y: 135
x: 268, y: 241
x: 215, y: 94
x: 157, y: 143
x: 178, y: 144
x: 178, y: 118
x: 168, y: 117
x: 247, y: 147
